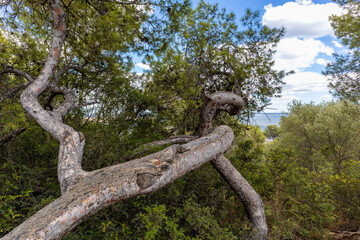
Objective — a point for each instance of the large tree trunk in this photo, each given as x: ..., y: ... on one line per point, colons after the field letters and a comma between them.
x: 103, y: 187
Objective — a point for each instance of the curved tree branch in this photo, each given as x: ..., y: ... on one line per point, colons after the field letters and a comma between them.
x: 84, y: 193
x: 233, y: 103
x: 71, y: 142
x: 251, y: 199
x: 105, y: 186
x: 68, y: 104
x: 19, y: 87
x: 11, y: 136
x: 17, y: 72
x: 229, y: 101
x: 64, y: 70
x: 134, y: 2
x: 29, y: 97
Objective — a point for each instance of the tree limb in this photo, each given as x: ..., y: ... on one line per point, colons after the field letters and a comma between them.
x: 134, y: 2
x: 217, y: 101
x: 19, y: 87
x: 232, y: 102
x: 101, y: 188
x: 84, y: 193
x: 147, y: 147
x: 17, y: 72
x: 68, y: 104
x: 71, y: 142
x: 11, y: 136
x: 345, y: 234
x: 64, y: 70
x: 251, y: 199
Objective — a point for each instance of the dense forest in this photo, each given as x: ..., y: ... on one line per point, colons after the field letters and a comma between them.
x: 308, y: 175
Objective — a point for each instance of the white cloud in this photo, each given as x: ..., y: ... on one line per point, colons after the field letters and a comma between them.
x: 337, y: 44
x: 302, y: 47
x: 294, y: 53
x: 305, y: 82
x: 302, y: 18
x: 143, y: 66
x: 285, y: 98
x: 322, y: 62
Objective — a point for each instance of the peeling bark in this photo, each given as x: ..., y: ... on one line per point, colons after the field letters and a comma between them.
x: 71, y: 142
x: 29, y: 97
x: 345, y: 235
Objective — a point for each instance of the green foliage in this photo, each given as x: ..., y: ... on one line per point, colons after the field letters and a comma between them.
x: 323, y: 136
x: 346, y: 194
x: 197, y: 220
x: 208, y: 54
x: 12, y: 117
x: 301, y: 203
x: 27, y: 174
x: 344, y: 72
x: 271, y: 132
x: 345, y: 24
x: 325, y: 142
x: 8, y: 204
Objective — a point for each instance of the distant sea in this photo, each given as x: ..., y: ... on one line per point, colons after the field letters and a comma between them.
x: 263, y: 119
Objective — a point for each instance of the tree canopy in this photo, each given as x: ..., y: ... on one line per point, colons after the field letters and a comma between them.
x: 271, y: 132
x: 343, y: 73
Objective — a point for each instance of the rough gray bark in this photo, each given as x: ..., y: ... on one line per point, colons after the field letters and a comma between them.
x: 251, y: 199
x: 84, y: 193
x: 232, y: 103
x: 218, y: 101
x: 71, y: 141
x: 345, y: 235
x: 103, y: 187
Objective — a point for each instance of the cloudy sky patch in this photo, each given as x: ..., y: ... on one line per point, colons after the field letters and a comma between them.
x: 143, y: 66
x: 307, y: 47
x: 302, y: 18
x: 305, y: 82
x: 337, y: 44
x: 295, y: 53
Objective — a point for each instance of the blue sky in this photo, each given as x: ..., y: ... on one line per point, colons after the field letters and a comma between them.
x: 306, y: 48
